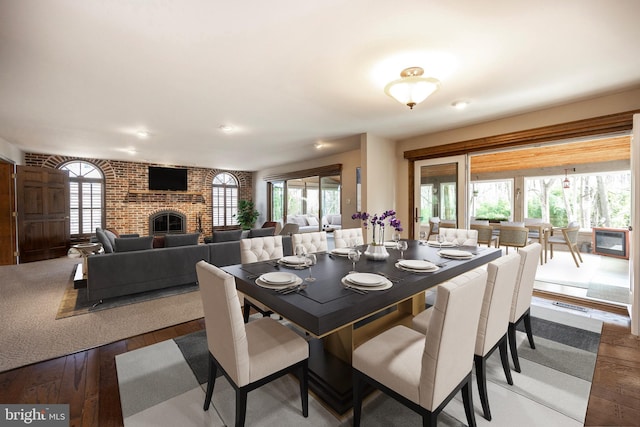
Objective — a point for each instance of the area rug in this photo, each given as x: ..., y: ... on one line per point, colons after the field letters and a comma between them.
x: 74, y: 301
x: 164, y: 385
x: 609, y: 293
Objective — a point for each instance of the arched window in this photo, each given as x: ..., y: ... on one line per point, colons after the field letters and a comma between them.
x: 86, y: 183
x: 225, y: 199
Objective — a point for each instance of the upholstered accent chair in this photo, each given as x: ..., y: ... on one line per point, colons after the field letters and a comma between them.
x: 521, y: 302
x: 459, y: 236
x: 485, y: 234
x: 570, y: 239
x: 514, y: 237
x: 313, y: 242
x: 494, y: 322
x: 255, y: 250
x: 424, y: 372
x: 348, y: 237
x: 250, y: 355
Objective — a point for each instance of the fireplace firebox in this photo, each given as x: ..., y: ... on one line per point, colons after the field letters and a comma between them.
x: 167, y: 222
x: 611, y: 242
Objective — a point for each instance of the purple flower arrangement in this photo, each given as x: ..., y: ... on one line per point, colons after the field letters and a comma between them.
x: 378, y: 223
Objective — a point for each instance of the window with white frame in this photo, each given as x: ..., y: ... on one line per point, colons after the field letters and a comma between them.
x: 225, y: 199
x: 86, y: 183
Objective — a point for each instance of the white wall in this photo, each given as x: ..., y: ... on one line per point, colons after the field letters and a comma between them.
x: 10, y: 152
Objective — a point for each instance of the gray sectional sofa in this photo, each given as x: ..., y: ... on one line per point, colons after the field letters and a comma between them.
x: 140, y: 270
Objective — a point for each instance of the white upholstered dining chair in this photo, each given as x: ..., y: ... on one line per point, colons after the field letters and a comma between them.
x: 424, y: 372
x: 348, y: 237
x: 494, y: 321
x: 459, y: 236
x: 255, y: 250
x: 250, y: 355
x: 312, y: 242
x: 521, y: 302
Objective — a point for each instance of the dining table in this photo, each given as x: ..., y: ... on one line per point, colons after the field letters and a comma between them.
x: 337, y: 315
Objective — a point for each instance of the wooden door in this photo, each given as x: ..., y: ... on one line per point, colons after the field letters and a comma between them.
x: 7, y: 220
x: 43, y: 213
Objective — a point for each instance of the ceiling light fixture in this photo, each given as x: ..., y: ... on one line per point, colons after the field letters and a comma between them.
x: 142, y: 134
x: 566, y: 183
x: 460, y: 105
x: 411, y: 88
x: 318, y: 145
x: 226, y: 128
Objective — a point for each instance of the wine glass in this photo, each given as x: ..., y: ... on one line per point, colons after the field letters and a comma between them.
x: 440, y: 240
x: 354, y: 256
x: 396, y: 237
x: 402, y: 245
x: 311, y: 260
x: 300, y: 251
x: 423, y: 237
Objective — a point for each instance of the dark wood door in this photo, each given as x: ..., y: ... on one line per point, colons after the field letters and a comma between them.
x: 43, y: 213
x: 7, y: 220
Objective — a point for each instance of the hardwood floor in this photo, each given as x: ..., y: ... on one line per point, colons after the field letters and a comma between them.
x: 88, y: 382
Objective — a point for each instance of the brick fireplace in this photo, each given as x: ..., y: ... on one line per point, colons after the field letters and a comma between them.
x: 167, y: 221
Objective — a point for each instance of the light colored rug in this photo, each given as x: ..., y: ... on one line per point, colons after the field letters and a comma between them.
x: 31, y: 294
x: 158, y: 387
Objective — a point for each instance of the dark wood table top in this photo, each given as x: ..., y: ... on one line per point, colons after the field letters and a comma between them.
x: 325, y: 305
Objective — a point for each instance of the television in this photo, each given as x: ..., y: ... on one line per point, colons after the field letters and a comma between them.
x: 172, y: 179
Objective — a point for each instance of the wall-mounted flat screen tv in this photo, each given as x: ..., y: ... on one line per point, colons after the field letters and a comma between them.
x: 172, y: 179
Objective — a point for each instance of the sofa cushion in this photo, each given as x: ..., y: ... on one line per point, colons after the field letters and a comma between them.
x: 112, y: 237
x: 301, y: 220
x: 128, y: 244
x: 262, y: 232
x: 312, y: 220
x: 104, y: 240
x: 226, y: 236
x: 172, y: 240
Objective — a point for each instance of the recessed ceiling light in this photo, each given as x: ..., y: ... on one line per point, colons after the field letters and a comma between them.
x: 142, y: 134
x: 460, y: 105
x: 319, y: 145
x: 226, y: 128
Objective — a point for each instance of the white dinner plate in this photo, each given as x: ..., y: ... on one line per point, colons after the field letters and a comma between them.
x: 341, y: 251
x: 296, y: 282
x: 444, y: 244
x: 278, y: 278
x: 456, y: 254
x: 292, y: 260
x: 416, y: 264
x: 365, y: 279
x: 386, y: 284
x: 431, y: 270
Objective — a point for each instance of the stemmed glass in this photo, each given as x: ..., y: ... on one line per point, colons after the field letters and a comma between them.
x: 354, y: 256
x: 300, y: 251
x: 402, y: 245
x: 440, y: 240
x: 396, y: 237
x: 311, y: 260
x: 423, y: 237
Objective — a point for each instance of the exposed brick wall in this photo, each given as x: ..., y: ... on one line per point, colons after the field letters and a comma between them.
x: 129, y: 212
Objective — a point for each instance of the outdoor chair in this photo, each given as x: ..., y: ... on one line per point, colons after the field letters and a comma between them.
x: 515, y: 237
x: 570, y: 239
x: 485, y: 234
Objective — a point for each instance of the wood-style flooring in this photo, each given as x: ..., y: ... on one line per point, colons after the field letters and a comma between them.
x: 88, y: 382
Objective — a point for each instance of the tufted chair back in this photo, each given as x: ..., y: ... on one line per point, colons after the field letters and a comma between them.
x: 459, y: 236
x: 348, y: 237
x: 313, y: 242
x: 260, y: 249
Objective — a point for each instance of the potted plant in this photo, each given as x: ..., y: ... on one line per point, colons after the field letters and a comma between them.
x: 247, y: 214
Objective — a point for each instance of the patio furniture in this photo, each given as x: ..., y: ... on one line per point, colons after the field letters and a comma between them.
x: 569, y: 238
x: 485, y: 234
x: 515, y: 237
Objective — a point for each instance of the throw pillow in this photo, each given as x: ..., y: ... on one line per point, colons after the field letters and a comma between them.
x: 104, y: 240
x: 128, y: 244
x: 300, y: 220
x: 173, y: 240
x: 312, y: 220
x: 111, y: 236
x: 114, y: 231
x: 262, y: 232
x: 226, y: 236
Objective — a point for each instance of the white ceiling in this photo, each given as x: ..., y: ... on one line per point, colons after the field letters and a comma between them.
x: 81, y: 77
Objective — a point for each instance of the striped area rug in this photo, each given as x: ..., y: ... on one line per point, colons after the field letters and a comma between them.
x: 164, y: 385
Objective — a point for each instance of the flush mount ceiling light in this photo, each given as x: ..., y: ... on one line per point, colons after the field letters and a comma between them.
x: 142, y: 134
x: 226, y: 128
x: 411, y: 88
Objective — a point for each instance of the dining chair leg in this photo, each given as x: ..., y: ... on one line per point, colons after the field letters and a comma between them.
x: 578, y: 253
x: 513, y: 346
x: 467, y: 400
x: 246, y: 310
x: 573, y: 255
x: 527, y: 327
x: 303, y: 378
x: 241, y: 406
x: 504, y: 358
x: 358, y: 387
x: 211, y: 382
x: 430, y: 419
x: 481, y: 379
